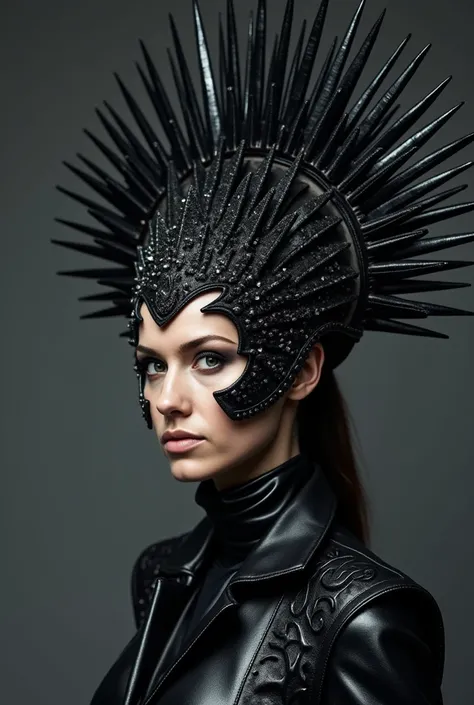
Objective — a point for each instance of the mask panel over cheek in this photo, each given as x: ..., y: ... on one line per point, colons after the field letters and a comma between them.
x: 305, y: 206
x: 133, y: 337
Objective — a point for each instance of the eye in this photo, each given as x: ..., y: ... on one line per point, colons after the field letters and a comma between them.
x: 212, y: 356
x: 143, y: 364
x: 146, y: 364
x: 150, y: 366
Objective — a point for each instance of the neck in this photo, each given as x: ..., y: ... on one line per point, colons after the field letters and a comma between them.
x: 243, y: 514
x: 261, y: 464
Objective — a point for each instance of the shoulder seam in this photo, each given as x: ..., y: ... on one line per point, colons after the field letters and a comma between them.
x: 374, y: 559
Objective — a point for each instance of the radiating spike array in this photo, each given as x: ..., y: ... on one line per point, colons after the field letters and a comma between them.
x: 229, y: 176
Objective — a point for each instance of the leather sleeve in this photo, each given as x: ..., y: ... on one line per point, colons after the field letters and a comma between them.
x: 390, y: 653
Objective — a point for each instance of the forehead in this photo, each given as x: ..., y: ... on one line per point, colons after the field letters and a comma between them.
x: 188, y: 321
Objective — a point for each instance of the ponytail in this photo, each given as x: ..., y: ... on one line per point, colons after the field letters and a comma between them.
x: 325, y: 436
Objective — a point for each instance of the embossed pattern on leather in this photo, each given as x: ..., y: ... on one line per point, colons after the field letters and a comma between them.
x: 284, y: 668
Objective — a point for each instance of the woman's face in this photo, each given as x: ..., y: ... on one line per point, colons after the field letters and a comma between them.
x: 179, y: 386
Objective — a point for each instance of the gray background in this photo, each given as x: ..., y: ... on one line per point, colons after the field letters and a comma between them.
x: 85, y: 486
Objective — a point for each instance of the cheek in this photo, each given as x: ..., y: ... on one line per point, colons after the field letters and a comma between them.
x: 236, y: 437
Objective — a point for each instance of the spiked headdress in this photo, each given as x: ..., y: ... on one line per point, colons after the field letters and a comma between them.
x: 289, y: 195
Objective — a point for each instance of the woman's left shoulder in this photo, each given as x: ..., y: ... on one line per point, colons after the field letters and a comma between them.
x: 387, y: 644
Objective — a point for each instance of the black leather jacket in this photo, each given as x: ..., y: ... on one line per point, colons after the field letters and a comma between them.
x: 311, y: 617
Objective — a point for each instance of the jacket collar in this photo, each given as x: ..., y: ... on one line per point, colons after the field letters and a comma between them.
x: 286, y: 548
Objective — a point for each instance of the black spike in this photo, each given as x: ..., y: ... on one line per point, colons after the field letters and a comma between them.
x: 400, y: 270
x: 388, y: 326
x: 413, y: 213
x: 436, y: 244
x: 104, y: 313
x: 96, y: 273
x: 257, y: 64
x: 415, y: 286
x: 318, y: 88
x: 83, y: 200
x: 400, y: 181
x: 358, y: 173
x: 438, y: 310
x: 146, y: 173
x: 197, y: 144
x: 123, y: 284
x: 126, y: 243
x: 377, y: 113
x: 377, y: 176
x: 282, y: 189
x: 174, y: 196
x: 332, y: 144
x: 228, y: 184
x: 147, y: 131
x: 225, y: 229
x: 392, y: 245
x: 293, y: 75
x: 223, y: 72
x: 106, y: 296
x: 209, y: 93
x: 303, y: 74
x: 326, y: 123
x: 259, y: 181
x: 269, y: 110
x: 403, y: 124
x: 373, y: 86
x: 343, y: 157
x: 248, y: 69
x: 164, y: 111
x: 235, y: 124
x: 437, y: 215
x: 192, y: 104
x: 411, y: 194
x: 233, y: 60
x: 282, y: 54
x: 385, y: 120
x: 420, y: 137
x: 295, y: 138
x: 125, y: 147
x: 337, y: 67
x: 353, y: 73
x: 139, y: 202
x: 115, y: 223
x: 110, y: 255
x: 103, y: 191
x: 137, y: 154
x: 384, y: 306
x: 114, y: 240
x: 137, y: 183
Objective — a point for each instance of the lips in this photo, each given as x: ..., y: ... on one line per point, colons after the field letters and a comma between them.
x: 178, y: 436
x: 182, y: 445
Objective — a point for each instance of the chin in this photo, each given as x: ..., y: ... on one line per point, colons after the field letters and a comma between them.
x: 187, y: 470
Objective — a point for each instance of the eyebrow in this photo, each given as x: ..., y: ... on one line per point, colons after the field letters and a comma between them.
x: 189, y: 345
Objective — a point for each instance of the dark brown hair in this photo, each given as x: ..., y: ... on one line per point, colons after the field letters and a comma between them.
x: 324, y: 433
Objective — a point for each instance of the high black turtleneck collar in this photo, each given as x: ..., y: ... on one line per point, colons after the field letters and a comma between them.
x: 243, y: 514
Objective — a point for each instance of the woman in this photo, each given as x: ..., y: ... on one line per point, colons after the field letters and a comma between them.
x: 254, y: 255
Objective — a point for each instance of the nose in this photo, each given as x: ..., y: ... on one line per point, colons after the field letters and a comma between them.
x: 172, y: 395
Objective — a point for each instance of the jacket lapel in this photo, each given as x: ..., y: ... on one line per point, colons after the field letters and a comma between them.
x: 169, y: 599
x: 286, y: 549
x: 173, y: 589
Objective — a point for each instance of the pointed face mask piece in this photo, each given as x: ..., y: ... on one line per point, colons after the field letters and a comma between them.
x: 304, y: 206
